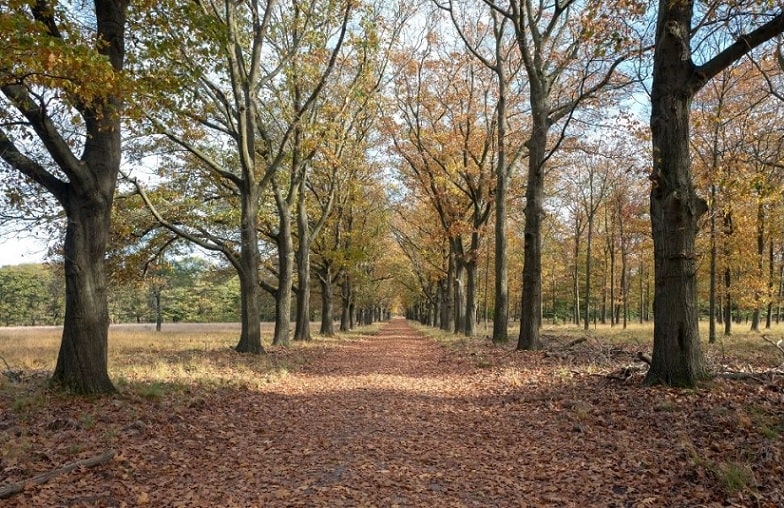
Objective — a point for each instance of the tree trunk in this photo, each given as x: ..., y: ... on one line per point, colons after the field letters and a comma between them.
x: 327, y: 320
x: 614, y: 307
x: 345, y: 303
x: 448, y: 298
x: 576, y: 274
x: 675, y: 208
x: 158, y: 313
x: 248, y: 272
x: 727, y: 300
x: 531, y: 304
x: 83, y: 357
x: 302, y: 320
x: 285, y: 275
x: 771, y: 272
x: 471, y: 286
x: 459, y: 295
x: 713, y: 258
x: 624, y: 265
x: 755, y: 318
x: 588, y: 246
x: 501, y: 307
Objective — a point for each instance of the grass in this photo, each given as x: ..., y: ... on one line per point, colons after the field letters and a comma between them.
x: 741, y: 348
x: 153, y: 364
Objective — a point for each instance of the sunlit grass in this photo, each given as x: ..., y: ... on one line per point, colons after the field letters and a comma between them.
x: 743, y: 346
x: 151, y: 363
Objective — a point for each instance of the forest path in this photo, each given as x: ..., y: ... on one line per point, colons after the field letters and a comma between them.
x: 397, y: 419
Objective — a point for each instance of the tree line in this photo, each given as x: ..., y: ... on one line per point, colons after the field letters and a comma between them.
x: 189, y: 289
x: 267, y: 134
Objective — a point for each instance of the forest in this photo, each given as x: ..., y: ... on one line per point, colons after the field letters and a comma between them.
x: 503, y: 161
x: 525, y: 232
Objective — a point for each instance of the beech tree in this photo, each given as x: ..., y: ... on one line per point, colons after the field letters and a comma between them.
x: 443, y: 128
x: 493, y: 45
x: 675, y: 206
x: 228, y: 101
x: 568, y: 60
x: 61, y: 86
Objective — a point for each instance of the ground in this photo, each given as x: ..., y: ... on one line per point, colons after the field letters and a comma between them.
x: 396, y: 418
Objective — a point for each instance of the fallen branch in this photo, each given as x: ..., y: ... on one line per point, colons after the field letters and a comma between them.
x: 10, y: 373
x: 755, y: 376
x: 15, y: 488
x: 777, y: 345
x: 741, y: 376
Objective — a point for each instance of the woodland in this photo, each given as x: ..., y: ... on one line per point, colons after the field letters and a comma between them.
x: 494, y: 170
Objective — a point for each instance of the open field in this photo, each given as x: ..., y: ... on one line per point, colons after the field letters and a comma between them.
x: 180, y: 354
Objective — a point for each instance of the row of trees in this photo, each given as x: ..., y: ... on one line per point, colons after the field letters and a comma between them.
x: 262, y: 132
x: 537, y: 79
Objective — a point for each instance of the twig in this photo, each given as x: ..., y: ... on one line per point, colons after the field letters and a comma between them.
x: 6, y: 363
x: 10, y: 373
x: 777, y: 345
x: 17, y: 487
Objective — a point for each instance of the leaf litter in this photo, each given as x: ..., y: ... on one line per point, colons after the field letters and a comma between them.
x: 398, y: 419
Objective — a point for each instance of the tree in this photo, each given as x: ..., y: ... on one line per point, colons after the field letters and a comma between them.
x: 491, y: 44
x: 58, y: 75
x: 443, y: 129
x: 567, y: 61
x: 675, y: 206
x: 229, y: 100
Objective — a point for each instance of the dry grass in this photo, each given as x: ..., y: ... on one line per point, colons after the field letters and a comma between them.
x: 152, y: 363
x: 741, y: 348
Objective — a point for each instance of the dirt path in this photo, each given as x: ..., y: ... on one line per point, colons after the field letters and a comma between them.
x: 398, y: 420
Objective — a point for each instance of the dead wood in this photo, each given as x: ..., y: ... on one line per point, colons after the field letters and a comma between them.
x: 10, y: 373
x: 575, y: 342
x: 644, y: 358
x: 755, y: 376
x: 777, y: 345
x: 17, y: 487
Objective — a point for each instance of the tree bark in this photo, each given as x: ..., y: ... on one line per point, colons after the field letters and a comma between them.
x: 675, y: 208
x: 471, y: 287
x: 531, y: 304
x: 83, y: 358
x: 588, y: 247
x: 345, y: 301
x: 501, y: 307
x: 755, y: 318
x: 302, y: 322
x: 248, y: 273
x: 327, y: 320
x: 285, y: 273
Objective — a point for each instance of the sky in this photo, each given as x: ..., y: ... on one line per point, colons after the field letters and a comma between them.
x: 15, y: 250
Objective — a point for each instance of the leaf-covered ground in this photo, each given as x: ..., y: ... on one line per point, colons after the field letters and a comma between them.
x: 398, y: 419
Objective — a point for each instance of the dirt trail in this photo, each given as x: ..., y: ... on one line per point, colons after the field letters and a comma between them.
x: 394, y: 419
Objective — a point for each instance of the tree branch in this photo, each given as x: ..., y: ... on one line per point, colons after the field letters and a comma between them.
x: 742, y: 45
